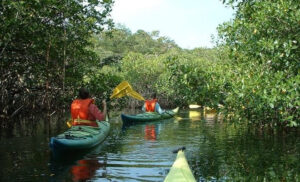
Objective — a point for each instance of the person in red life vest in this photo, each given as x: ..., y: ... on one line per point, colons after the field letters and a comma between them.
x: 152, y: 105
x: 85, y: 112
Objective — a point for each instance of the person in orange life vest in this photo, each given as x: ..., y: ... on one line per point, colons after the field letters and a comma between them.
x: 152, y: 105
x: 85, y: 112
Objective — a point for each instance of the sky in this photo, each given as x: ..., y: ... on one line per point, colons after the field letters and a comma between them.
x: 190, y: 23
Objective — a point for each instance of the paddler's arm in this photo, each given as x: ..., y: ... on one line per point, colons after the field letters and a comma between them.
x: 144, y: 108
x: 158, y: 108
x: 97, y: 113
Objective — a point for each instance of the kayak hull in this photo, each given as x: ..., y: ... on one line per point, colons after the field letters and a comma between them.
x: 148, y: 116
x: 81, y: 137
x: 180, y: 170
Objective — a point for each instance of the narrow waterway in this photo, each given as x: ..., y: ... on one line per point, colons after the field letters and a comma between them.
x: 216, y: 151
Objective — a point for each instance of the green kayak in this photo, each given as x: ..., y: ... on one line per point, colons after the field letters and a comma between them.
x: 180, y: 170
x: 81, y: 137
x: 148, y: 116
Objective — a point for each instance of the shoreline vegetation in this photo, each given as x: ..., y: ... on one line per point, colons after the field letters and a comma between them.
x: 49, y: 50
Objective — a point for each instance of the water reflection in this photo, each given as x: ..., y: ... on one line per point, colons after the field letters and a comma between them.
x: 150, y: 132
x: 85, y: 169
x: 195, y: 115
x: 191, y: 115
x: 210, y: 117
x: 77, y: 165
x: 33, y: 125
x: 216, y: 151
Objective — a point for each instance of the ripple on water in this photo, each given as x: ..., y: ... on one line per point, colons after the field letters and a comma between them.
x: 215, y: 152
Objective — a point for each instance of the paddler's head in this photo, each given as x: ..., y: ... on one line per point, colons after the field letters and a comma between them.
x: 154, y: 95
x: 84, y: 93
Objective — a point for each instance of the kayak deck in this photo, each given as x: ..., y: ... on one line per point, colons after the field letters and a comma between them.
x: 149, y: 116
x: 180, y: 170
x: 81, y: 137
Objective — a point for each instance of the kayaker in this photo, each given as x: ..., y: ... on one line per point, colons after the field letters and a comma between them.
x: 84, y: 111
x: 152, y: 105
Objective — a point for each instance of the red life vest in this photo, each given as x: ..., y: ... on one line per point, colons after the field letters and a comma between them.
x: 150, y: 105
x: 80, y: 112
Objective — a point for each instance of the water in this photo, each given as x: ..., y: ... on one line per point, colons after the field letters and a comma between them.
x: 216, y: 151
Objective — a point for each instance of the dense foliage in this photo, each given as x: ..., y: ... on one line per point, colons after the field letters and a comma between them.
x: 178, y: 76
x: 263, y: 45
x: 251, y: 76
x: 43, y: 50
x: 113, y: 45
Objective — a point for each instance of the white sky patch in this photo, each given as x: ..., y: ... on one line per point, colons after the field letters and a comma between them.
x: 124, y: 9
x: 190, y: 23
x: 191, y: 41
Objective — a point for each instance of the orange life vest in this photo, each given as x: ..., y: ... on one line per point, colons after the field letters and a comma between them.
x: 80, y: 112
x: 150, y: 105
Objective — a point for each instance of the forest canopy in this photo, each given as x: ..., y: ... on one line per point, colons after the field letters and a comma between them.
x: 50, y: 49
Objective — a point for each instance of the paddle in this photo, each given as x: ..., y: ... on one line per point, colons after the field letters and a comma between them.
x: 123, y: 89
x: 167, y: 113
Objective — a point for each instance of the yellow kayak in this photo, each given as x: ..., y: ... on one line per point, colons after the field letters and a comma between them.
x: 180, y: 170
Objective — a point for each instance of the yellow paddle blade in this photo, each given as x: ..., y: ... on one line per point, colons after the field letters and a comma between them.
x: 120, y: 89
x: 125, y: 89
x: 135, y: 95
x: 122, y: 93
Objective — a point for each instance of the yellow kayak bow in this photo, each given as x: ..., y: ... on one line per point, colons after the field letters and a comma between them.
x: 180, y: 170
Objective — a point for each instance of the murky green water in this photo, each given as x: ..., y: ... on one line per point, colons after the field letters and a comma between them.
x: 215, y: 151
